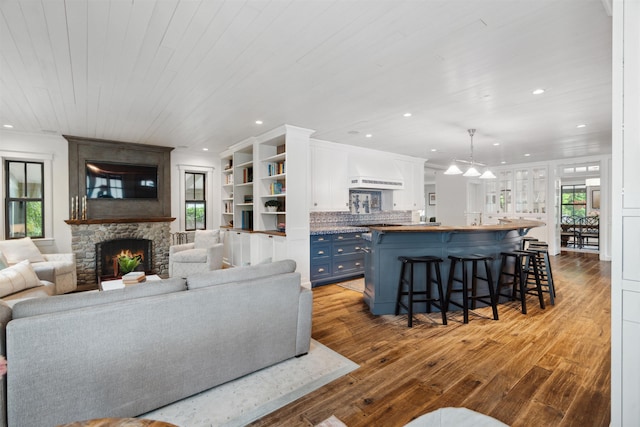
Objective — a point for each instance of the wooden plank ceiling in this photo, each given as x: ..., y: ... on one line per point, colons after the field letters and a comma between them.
x: 195, y: 74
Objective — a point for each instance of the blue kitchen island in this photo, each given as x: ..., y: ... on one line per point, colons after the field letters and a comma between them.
x: 384, y: 244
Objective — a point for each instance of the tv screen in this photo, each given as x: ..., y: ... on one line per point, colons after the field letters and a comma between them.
x: 121, y: 181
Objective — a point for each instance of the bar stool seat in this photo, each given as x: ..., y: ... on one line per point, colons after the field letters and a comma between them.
x: 432, y: 265
x: 468, y: 282
x: 525, y: 240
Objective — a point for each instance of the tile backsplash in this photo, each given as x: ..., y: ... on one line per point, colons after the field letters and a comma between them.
x: 346, y: 218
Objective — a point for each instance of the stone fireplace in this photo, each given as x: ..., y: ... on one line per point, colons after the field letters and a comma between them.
x: 86, y: 235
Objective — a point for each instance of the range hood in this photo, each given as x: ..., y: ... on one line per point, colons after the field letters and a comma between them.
x: 374, y: 173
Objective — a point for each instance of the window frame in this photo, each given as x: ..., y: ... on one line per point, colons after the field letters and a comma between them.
x: 210, y: 184
x: 193, y: 201
x: 47, y: 160
x: 24, y: 198
x: 573, y: 204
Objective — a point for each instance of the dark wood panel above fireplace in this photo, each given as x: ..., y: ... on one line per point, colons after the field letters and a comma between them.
x: 82, y: 150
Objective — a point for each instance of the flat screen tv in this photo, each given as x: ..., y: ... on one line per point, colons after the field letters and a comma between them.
x: 121, y: 181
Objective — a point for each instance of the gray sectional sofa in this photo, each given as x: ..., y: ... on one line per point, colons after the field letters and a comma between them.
x: 125, y: 352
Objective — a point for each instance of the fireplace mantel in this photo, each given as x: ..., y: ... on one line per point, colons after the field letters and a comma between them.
x: 117, y: 220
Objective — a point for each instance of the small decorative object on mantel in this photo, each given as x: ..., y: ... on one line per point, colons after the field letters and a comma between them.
x: 272, y: 205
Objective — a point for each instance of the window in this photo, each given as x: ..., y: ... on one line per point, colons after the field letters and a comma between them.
x: 195, y: 201
x: 574, y: 200
x: 25, y: 199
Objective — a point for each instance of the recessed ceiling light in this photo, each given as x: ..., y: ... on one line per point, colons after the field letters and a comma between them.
x: 8, y: 126
x: 581, y: 125
x: 527, y: 155
x: 258, y: 122
x: 407, y: 114
x: 538, y: 91
x: 503, y: 162
x: 495, y: 144
x: 434, y: 150
x: 368, y: 135
x: 205, y: 149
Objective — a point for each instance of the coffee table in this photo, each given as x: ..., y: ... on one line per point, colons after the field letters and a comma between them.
x: 109, y: 285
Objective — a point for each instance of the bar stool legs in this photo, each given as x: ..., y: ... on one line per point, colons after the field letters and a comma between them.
x: 525, y: 278
x: 432, y: 265
x: 470, y: 284
x: 544, y: 269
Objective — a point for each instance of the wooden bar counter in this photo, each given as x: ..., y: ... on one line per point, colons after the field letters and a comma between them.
x: 386, y: 243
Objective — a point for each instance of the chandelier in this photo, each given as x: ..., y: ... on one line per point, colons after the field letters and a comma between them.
x: 471, y: 172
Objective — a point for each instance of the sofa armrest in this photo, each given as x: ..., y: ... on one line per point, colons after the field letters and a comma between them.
x: 305, y: 311
x: 71, y: 258
x: 59, y: 269
x: 182, y: 247
x: 214, y: 256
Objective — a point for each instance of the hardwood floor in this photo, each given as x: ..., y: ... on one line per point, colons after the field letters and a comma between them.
x: 550, y: 367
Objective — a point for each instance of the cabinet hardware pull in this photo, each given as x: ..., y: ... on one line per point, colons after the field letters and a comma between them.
x: 357, y: 264
x: 320, y: 252
x: 340, y: 237
x: 339, y: 251
x: 321, y: 270
x: 357, y: 248
x: 321, y: 239
x: 340, y: 267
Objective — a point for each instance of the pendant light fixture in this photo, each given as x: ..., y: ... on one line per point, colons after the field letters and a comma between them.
x: 471, y: 172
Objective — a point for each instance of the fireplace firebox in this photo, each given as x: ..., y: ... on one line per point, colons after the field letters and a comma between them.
x: 108, y: 252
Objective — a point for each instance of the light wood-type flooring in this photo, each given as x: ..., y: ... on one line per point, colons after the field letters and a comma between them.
x: 547, y: 368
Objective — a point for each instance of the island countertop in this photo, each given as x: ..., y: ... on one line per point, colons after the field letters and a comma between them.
x: 505, y: 225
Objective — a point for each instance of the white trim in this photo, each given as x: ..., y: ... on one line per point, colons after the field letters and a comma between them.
x: 209, y: 184
x: 46, y: 159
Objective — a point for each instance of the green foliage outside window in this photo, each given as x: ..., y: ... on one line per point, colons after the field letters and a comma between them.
x: 574, y: 200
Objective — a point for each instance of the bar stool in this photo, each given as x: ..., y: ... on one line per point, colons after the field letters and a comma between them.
x: 432, y: 264
x: 523, y: 243
x: 544, y: 269
x: 470, y: 280
x: 524, y: 262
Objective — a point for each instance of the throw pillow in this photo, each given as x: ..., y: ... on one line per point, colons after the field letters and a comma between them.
x: 17, y: 250
x: 3, y: 261
x: 17, y: 278
x: 206, y: 238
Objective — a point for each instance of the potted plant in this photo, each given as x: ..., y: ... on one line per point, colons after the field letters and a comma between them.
x: 272, y: 205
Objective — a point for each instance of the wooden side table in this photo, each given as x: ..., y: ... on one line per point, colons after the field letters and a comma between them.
x: 119, y: 422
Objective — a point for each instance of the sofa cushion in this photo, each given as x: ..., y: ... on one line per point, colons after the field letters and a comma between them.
x: 206, y: 238
x: 17, y: 278
x: 17, y: 250
x: 239, y: 274
x: 46, y: 290
x: 58, y: 303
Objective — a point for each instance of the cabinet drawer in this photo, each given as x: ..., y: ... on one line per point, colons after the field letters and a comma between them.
x: 320, y: 270
x: 348, y: 265
x: 320, y: 250
x: 347, y: 248
x: 320, y: 238
x: 340, y: 237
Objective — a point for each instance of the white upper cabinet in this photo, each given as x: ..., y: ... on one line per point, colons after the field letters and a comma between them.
x: 329, y: 177
x: 411, y: 197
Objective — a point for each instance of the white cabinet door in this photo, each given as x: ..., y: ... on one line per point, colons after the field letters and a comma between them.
x: 329, y: 179
x: 240, y: 246
x: 412, y: 196
x: 226, y: 252
x: 279, y: 248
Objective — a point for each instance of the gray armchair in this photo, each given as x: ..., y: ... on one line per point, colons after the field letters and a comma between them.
x: 204, y: 254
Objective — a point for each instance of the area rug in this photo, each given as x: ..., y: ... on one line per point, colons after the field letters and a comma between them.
x: 355, y: 285
x: 242, y: 401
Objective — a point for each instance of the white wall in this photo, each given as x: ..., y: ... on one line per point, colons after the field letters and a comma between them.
x: 54, y: 150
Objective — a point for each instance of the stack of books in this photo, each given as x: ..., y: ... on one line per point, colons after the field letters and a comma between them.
x: 134, y: 277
